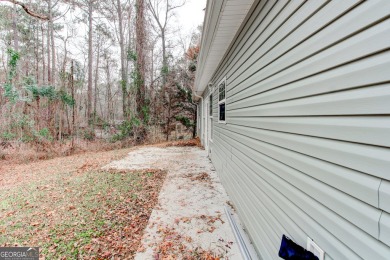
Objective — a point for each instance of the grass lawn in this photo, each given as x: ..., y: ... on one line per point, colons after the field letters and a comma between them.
x: 92, y: 214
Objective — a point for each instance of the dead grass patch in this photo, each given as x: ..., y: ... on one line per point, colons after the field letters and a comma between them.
x: 14, y: 173
x: 19, y: 152
x: 182, y: 143
x: 90, y: 215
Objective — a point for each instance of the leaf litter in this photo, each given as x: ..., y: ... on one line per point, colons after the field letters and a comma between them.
x: 92, y: 214
x: 78, y: 211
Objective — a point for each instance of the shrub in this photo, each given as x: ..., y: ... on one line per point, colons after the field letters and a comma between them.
x: 44, y: 133
x: 88, y: 134
x: 126, y: 129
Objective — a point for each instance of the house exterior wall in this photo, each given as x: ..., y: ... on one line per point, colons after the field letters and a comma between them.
x: 202, y: 134
x: 305, y: 148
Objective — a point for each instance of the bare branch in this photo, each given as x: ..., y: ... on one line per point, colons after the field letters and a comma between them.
x: 27, y: 10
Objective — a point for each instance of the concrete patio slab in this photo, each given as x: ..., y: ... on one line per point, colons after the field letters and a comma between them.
x: 189, y: 219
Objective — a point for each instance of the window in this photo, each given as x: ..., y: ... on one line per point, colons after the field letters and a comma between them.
x: 211, y: 105
x: 222, y: 101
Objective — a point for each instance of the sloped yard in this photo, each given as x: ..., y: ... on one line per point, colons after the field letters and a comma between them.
x: 97, y: 214
x: 71, y: 209
x: 157, y: 202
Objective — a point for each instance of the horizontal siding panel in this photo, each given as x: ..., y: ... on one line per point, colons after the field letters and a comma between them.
x: 365, y: 101
x: 319, y: 20
x: 296, y: 14
x: 365, y: 43
x: 264, y: 245
x: 384, y: 196
x: 217, y: 160
x: 327, y: 257
x: 258, y: 180
x: 357, y: 212
x: 359, y: 241
x: 260, y: 216
x: 353, y: 129
x: 345, y: 26
x: 384, y: 226
x: 372, y: 160
x: 357, y: 184
x: 372, y: 70
x: 263, y: 21
x: 224, y: 146
x: 221, y: 151
x: 263, y: 202
x: 356, y: 19
x: 230, y: 181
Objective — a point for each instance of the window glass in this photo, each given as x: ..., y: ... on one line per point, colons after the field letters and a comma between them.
x: 211, y: 105
x: 222, y: 101
x: 222, y: 112
x: 222, y: 91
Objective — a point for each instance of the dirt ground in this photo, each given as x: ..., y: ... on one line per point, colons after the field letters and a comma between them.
x: 188, y: 221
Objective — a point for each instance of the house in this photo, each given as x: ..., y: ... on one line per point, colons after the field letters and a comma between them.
x: 294, y: 110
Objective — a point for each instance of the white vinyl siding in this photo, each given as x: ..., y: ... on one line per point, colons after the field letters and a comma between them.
x: 305, y: 150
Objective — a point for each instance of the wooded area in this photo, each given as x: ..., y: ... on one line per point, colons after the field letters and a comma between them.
x: 72, y: 69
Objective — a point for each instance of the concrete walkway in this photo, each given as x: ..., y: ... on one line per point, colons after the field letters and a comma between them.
x: 189, y: 220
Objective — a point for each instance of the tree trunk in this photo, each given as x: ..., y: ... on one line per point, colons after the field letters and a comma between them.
x: 15, y: 80
x: 96, y: 82
x: 36, y: 52
x: 43, y: 57
x: 74, y: 104
x: 60, y: 124
x: 165, y: 62
x: 90, y: 60
x: 122, y: 58
x: 49, y: 78
x: 140, y: 45
x: 53, y: 51
x: 168, y: 119
x: 109, y: 95
x: 15, y: 30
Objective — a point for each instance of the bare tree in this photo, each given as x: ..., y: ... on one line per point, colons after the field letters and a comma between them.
x: 118, y: 11
x: 162, y: 11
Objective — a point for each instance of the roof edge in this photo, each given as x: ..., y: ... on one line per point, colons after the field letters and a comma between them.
x: 213, y: 8
x: 214, y: 12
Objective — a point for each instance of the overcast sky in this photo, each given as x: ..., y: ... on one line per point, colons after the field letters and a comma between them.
x: 191, y: 14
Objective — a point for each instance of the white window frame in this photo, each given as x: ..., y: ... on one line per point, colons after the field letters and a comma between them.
x: 210, y: 98
x: 210, y: 115
x: 223, y: 101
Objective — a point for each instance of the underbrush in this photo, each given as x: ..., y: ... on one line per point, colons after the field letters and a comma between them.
x: 22, y: 152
